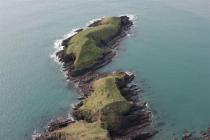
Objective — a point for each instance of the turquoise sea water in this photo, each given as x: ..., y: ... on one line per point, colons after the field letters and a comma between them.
x: 169, y: 50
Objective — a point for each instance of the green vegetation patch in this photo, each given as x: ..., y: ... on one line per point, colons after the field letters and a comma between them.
x: 81, y: 131
x: 106, y: 102
x: 105, y: 92
x: 84, y: 44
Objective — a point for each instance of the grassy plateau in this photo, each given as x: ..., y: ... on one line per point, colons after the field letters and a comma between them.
x: 84, y: 45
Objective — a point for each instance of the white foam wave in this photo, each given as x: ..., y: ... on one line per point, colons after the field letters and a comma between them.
x: 35, y: 135
x: 70, y: 117
x: 130, y: 16
x: 129, y: 73
x: 58, y: 45
x: 93, y: 20
x: 70, y: 34
x: 133, y: 18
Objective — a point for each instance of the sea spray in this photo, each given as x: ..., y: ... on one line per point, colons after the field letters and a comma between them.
x: 58, y: 44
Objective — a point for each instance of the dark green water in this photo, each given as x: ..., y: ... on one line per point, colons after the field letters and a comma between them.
x: 169, y: 50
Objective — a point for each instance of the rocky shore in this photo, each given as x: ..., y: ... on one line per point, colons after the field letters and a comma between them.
x: 110, y: 106
x: 203, y: 135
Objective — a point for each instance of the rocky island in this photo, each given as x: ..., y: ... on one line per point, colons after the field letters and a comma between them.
x: 110, y: 106
x: 92, y: 47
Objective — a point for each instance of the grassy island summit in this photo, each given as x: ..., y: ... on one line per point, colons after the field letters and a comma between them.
x: 84, y: 44
x: 92, y: 47
x: 106, y: 114
x: 109, y: 107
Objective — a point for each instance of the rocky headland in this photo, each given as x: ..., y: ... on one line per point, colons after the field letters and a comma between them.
x: 110, y: 106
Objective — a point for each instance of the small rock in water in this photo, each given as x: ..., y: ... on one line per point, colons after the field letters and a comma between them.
x: 186, y: 136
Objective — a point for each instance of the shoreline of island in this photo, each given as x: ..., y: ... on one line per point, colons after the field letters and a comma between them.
x: 83, y: 53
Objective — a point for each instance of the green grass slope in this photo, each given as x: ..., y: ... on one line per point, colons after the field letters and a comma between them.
x: 106, y: 102
x: 84, y: 44
x: 81, y: 131
x: 105, y: 92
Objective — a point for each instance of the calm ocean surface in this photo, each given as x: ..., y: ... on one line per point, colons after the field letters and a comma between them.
x: 169, y: 50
